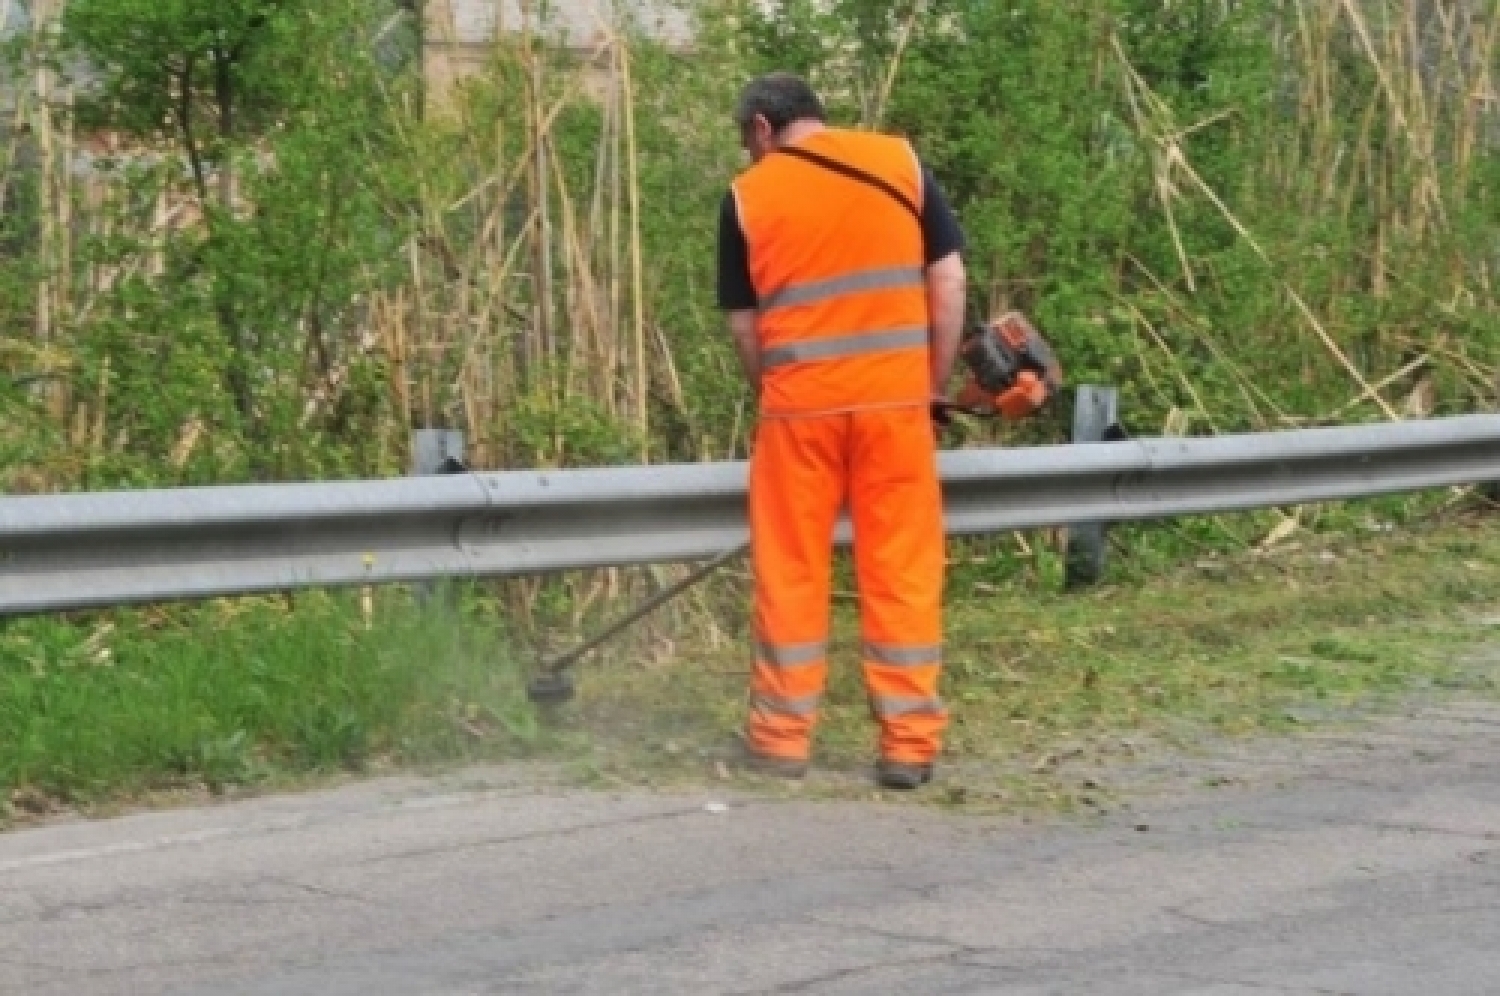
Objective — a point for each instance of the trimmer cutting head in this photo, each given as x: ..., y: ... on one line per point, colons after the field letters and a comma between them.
x: 551, y: 688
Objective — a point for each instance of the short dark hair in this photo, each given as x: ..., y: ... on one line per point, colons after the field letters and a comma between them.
x: 780, y: 98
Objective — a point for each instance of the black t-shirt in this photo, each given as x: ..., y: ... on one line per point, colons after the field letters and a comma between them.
x: 941, y: 236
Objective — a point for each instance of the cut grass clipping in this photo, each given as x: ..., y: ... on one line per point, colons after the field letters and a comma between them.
x: 124, y: 706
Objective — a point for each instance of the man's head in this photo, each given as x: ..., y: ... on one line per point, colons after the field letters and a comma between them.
x: 769, y: 105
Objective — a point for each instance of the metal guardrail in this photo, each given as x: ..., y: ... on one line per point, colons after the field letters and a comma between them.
x: 89, y: 550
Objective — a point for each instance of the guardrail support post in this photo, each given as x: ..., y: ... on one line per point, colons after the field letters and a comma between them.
x: 1096, y: 415
x: 435, y: 451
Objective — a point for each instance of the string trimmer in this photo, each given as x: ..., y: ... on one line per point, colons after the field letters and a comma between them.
x: 1012, y: 372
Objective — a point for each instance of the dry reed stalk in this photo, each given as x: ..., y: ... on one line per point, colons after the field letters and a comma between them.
x: 1485, y: 379
x: 893, y: 69
x: 669, y: 368
x: 1176, y: 363
x: 1364, y: 158
x: 12, y: 149
x: 1142, y: 352
x: 736, y: 429
x: 1245, y: 384
x: 577, y: 288
x: 637, y: 262
x: 585, y: 299
x: 43, y: 128
x: 608, y: 114
x: 538, y: 234
x: 470, y: 400
x: 101, y: 405
x: 1178, y: 161
x: 424, y: 400
x: 1377, y: 64
x: 541, y: 188
x: 1479, y: 95
x: 616, y: 208
x: 65, y: 220
x: 1383, y: 383
x: 582, y: 292
x: 475, y: 347
x: 80, y: 426
x: 187, y: 441
x: 568, y: 95
x: 1165, y: 193
x: 592, y: 592
x: 1407, y: 105
x: 390, y: 316
x: 1323, y: 69
x: 1291, y: 292
x: 602, y: 208
x: 1428, y: 71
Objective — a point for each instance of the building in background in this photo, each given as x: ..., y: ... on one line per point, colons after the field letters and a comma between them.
x: 458, y: 35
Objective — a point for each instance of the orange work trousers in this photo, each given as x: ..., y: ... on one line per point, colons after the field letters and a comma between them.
x: 882, y: 465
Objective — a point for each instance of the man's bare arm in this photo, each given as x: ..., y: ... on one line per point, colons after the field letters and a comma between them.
x: 747, y: 344
x: 947, y: 283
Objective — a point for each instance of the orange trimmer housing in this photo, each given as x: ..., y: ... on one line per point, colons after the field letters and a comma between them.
x: 1013, y: 371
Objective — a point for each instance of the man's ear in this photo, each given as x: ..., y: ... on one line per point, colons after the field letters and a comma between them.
x: 765, y: 132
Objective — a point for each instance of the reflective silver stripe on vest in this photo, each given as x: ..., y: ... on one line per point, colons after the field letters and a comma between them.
x: 790, y: 654
x: 890, y: 278
x: 903, y: 655
x: 805, y: 706
x: 890, y: 708
x: 850, y: 344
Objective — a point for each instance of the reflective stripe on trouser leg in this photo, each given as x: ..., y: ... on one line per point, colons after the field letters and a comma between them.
x: 786, y: 687
x: 797, y: 487
x: 896, y: 504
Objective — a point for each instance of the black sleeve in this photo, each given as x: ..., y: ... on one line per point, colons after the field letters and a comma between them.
x: 941, y: 234
x: 736, y: 290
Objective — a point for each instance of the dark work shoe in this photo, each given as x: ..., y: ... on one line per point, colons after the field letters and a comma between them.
x: 901, y: 776
x: 776, y: 767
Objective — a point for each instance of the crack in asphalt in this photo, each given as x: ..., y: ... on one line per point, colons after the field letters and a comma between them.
x: 1270, y: 987
x: 570, y: 831
x: 809, y: 984
x: 1197, y: 921
x: 319, y: 891
x: 897, y: 935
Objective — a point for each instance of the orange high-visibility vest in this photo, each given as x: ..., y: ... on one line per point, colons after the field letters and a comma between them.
x: 838, y: 268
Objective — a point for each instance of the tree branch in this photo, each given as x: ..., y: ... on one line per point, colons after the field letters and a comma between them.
x: 184, y: 111
x: 224, y: 98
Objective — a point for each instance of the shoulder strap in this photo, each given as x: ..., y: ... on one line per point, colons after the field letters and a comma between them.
x: 853, y: 173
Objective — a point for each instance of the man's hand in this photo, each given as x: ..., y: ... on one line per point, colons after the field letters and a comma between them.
x: 947, y: 282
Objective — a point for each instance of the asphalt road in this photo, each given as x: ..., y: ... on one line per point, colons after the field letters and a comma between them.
x: 1364, y: 863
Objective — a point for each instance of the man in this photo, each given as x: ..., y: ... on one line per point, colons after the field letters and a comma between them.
x: 840, y: 269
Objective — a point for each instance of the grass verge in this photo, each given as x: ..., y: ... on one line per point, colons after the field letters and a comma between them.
x: 136, y: 706
x: 247, y: 693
